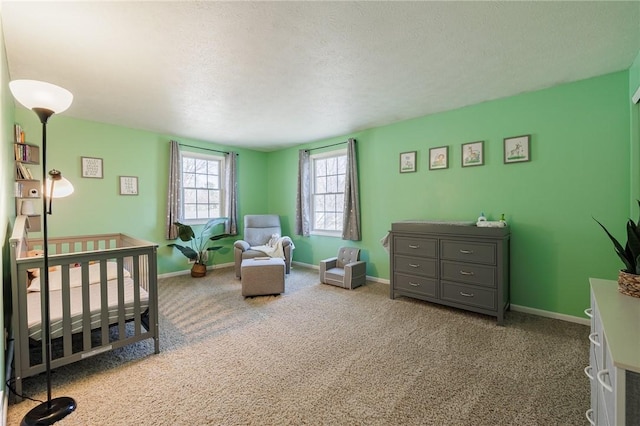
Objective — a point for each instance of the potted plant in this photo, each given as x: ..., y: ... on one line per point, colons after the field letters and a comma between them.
x: 198, y: 248
x: 629, y: 277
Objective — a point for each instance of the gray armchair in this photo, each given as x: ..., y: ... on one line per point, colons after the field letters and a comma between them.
x: 258, y: 229
x: 345, y: 270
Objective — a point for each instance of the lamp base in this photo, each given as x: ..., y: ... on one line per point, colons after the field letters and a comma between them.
x: 49, y: 412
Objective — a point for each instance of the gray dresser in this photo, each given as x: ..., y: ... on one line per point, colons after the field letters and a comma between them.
x: 454, y: 264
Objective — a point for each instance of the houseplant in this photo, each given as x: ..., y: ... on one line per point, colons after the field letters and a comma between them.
x: 629, y: 277
x: 197, y: 249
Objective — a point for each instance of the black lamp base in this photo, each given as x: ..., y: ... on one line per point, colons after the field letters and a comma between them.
x: 49, y: 412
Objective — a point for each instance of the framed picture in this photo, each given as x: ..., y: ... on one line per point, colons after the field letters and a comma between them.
x: 439, y: 158
x: 517, y: 149
x: 472, y: 154
x: 91, y: 167
x: 128, y: 185
x: 408, y: 162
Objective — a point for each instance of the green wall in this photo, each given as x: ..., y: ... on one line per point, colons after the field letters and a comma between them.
x: 96, y: 206
x: 580, y: 168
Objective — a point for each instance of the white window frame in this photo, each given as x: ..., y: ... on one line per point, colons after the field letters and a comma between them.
x: 312, y: 174
x: 209, y: 157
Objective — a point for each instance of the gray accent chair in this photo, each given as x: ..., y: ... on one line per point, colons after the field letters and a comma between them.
x: 345, y: 270
x: 258, y: 229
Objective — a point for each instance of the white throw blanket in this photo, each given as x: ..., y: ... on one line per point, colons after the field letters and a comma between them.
x: 274, y: 248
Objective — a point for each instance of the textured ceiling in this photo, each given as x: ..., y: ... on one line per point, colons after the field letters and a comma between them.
x: 266, y: 75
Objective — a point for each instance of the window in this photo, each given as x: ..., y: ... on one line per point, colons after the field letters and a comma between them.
x: 327, y: 192
x: 202, y: 187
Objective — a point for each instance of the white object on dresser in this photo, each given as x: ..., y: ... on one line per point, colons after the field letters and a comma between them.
x: 614, y: 356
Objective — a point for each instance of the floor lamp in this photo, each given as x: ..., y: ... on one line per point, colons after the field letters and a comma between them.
x: 46, y: 99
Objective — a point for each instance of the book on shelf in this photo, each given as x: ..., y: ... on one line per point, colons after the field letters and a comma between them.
x: 25, y: 153
x: 20, y: 172
x: 18, y: 133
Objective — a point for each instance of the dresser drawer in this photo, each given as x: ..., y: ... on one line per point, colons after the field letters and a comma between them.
x: 468, y: 273
x: 468, y: 295
x: 416, y: 266
x: 468, y: 251
x: 414, y: 284
x: 423, y: 247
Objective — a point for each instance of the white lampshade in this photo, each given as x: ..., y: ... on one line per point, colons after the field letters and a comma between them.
x: 62, y: 188
x: 39, y: 94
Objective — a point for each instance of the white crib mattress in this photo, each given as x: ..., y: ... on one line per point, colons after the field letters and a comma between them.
x: 35, y: 318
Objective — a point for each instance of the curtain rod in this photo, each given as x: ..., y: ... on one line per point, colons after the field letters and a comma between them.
x: 327, y: 146
x: 206, y: 149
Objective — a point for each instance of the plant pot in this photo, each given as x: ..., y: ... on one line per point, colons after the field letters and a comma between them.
x: 629, y: 284
x: 198, y: 270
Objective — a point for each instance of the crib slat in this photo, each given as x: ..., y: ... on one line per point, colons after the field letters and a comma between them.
x: 104, y: 304
x: 66, y: 312
x: 121, y: 306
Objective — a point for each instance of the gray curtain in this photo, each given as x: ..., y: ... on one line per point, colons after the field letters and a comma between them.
x: 351, y: 218
x: 303, y: 204
x: 231, y: 201
x: 173, y: 192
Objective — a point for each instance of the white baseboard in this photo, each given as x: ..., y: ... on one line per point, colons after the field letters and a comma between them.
x: 548, y: 314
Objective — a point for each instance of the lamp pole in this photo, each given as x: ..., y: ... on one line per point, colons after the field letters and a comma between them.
x: 45, y: 99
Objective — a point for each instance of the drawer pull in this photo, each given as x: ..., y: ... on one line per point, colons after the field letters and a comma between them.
x: 466, y: 273
x: 589, y: 312
x: 414, y: 284
x: 600, y: 376
x: 462, y: 293
x: 412, y: 246
x: 466, y: 251
x: 589, y: 415
x: 593, y: 339
x: 413, y: 265
x: 587, y: 371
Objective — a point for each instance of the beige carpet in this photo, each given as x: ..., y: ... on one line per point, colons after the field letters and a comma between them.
x: 322, y: 355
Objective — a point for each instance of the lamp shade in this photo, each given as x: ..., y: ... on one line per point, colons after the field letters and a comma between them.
x: 39, y: 94
x: 62, y: 188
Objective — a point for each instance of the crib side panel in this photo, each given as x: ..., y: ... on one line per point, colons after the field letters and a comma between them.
x: 136, y: 257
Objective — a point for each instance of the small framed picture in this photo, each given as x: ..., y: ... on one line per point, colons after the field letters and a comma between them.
x: 473, y: 154
x: 91, y: 167
x: 517, y: 149
x: 128, y: 185
x: 408, y: 162
x: 439, y: 158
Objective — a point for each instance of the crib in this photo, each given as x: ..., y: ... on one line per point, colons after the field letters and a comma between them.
x: 103, y: 296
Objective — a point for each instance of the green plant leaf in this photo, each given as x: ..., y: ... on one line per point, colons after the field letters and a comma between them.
x: 633, y: 243
x: 621, y: 251
x: 208, y: 229
x: 185, y: 232
x: 187, y: 251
